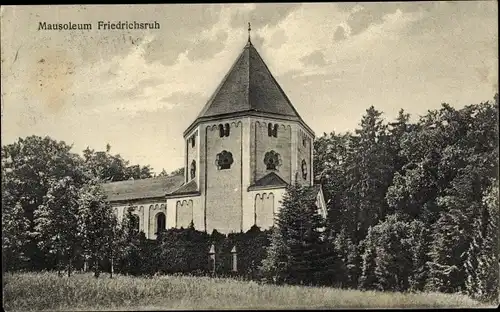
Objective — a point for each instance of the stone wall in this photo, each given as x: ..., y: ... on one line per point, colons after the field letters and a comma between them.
x: 223, y: 200
x: 265, y: 143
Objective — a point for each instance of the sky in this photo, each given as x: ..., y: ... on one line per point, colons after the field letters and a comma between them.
x: 138, y: 90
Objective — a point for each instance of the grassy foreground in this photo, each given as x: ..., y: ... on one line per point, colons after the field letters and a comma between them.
x: 46, y: 291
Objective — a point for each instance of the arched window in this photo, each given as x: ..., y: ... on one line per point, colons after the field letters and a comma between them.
x: 272, y: 160
x: 270, y: 129
x: 221, y: 130
x: 192, y: 141
x: 226, y: 129
x: 304, y: 141
x: 160, y: 222
x: 224, y: 160
x: 304, y: 169
x: 275, y: 131
x: 193, y: 169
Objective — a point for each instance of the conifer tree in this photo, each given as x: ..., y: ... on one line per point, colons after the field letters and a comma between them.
x: 276, y: 265
x: 491, y: 250
x: 481, y: 267
x: 419, y: 244
x: 299, y: 252
x: 448, y: 251
x: 473, y: 276
x: 368, y: 279
x: 374, y: 170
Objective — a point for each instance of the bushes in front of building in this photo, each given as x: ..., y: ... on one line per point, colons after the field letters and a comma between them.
x: 181, y: 251
x: 187, y: 251
x: 249, y: 248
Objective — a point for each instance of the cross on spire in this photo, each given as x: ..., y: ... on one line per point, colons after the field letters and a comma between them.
x: 249, y: 30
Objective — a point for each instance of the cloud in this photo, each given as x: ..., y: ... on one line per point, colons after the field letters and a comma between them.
x: 278, y: 38
x: 258, y: 40
x: 353, y: 49
x: 206, y: 48
x: 150, y: 82
x: 165, y: 51
x: 364, y: 15
x: 440, y: 17
x: 185, y: 99
x: 262, y: 15
x: 316, y: 58
x: 129, y: 94
x: 125, y: 86
x: 340, y: 34
x: 369, y: 14
x: 305, y: 29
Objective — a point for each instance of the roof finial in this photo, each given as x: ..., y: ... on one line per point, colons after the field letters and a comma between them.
x: 249, y: 29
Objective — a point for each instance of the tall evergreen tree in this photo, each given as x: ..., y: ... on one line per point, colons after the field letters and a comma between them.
x: 419, y: 241
x: 299, y: 252
x: 481, y: 267
x: 448, y: 251
x: 276, y: 265
x: 368, y: 279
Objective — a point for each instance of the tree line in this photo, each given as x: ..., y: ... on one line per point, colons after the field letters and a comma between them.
x: 412, y: 206
x: 53, y: 208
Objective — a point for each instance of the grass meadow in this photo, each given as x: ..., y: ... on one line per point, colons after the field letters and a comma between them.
x: 47, y: 291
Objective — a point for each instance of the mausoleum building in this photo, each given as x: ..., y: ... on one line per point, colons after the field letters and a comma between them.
x: 242, y: 150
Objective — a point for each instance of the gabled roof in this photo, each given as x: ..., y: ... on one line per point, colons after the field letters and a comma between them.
x: 248, y: 88
x: 188, y: 188
x: 269, y: 180
x: 143, y: 188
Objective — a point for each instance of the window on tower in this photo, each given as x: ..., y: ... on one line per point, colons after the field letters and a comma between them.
x: 272, y: 160
x: 270, y: 129
x: 193, y: 169
x: 224, y: 130
x: 275, y: 131
x: 224, y: 160
x: 304, y: 169
x: 221, y: 130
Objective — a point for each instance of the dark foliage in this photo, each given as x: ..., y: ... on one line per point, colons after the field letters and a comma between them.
x: 411, y: 206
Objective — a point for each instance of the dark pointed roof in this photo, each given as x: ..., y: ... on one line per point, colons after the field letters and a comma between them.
x: 248, y: 88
